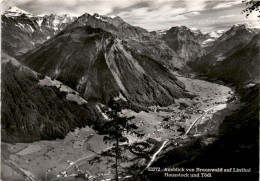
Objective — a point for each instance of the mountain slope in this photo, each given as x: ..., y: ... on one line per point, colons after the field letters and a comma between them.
x: 100, y: 66
x: 34, y: 109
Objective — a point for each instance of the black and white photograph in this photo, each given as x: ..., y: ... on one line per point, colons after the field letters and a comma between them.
x: 130, y: 90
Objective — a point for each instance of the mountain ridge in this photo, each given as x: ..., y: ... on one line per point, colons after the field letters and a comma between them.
x: 100, y: 56
x: 23, y: 31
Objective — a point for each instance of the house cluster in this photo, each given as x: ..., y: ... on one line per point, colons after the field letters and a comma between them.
x: 193, y: 108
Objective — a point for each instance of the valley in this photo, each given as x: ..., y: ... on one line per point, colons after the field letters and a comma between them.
x: 63, y: 159
x: 95, y: 98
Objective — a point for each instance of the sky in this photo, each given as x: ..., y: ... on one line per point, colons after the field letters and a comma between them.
x: 206, y: 15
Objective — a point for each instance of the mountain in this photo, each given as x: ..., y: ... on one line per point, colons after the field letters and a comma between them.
x: 15, y: 11
x: 155, y: 47
x: 184, y: 42
x: 23, y: 31
x: 209, y: 38
x: 230, y: 41
x: 241, y: 66
x: 35, y: 107
x: 216, y: 34
x: 100, y: 66
x: 238, y: 65
x: 161, y: 32
x: 114, y: 25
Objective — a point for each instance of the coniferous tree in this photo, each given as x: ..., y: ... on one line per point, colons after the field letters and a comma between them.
x: 117, y: 128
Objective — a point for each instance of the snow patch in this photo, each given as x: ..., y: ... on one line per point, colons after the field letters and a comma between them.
x: 21, y: 25
x: 97, y: 16
x: 55, y: 28
x: 55, y: 22
x: 15, y: 11
x: 206, y: 42
x: 32, y: 30
x: 39, y: 21
x: 161, y: 32
x: 195, y: 30
x: 113, y: 16
x: 41, y: 15
x: 216, y: 34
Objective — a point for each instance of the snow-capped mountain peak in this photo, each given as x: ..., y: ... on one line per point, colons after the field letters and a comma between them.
x: 246, y: 25
x: 195, y: 30
x: 113, y: 16
x: 15, y: 11
x: 216, y: 34
x: 162, y: 31
x: 100, y: 17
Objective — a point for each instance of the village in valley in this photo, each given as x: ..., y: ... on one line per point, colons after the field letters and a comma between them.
x: 175, y: 125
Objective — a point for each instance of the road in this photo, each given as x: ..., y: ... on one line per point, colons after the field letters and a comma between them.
x: 154, y: 155
x: 194, y: 122
x: 70, y: 168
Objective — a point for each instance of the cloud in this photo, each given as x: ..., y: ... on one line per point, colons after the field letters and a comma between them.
x: 207, y: 15
x: 194, y: 5
x: 192, y: 13
x: 227, y: 16
x: 226, y: 4
x: 75, y: 7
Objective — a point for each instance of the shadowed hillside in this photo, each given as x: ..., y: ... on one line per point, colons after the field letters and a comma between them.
x: 32, y: 112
